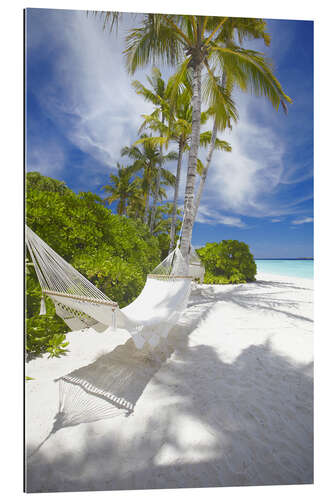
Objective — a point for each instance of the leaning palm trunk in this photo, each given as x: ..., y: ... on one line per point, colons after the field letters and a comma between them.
x: 205, y: 171
x: 192, y: 163
x: 175, y: 198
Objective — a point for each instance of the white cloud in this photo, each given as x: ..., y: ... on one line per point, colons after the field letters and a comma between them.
x: 207, y: 216
x: 276, y: 220
x: 303, y: 220
x: 248, y: 180
x: 48, y: 158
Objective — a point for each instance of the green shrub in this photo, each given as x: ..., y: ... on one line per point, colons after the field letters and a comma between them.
x: 35, y: 180
x: 40, y: 332
x: 120, y: 280
x: 229, y: 261
x: 57, y: 345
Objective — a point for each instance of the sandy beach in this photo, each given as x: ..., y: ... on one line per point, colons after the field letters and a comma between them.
x: 228, y: 400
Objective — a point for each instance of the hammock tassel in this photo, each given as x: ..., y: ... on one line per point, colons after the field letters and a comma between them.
x: 42, y: 311
x: 114, y: 320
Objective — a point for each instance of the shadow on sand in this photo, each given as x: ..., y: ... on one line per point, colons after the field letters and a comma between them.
x: 248, y: 297
x: 264, y: 442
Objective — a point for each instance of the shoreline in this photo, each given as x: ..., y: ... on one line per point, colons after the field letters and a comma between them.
x: 263, y: 276
x: 228, y: 401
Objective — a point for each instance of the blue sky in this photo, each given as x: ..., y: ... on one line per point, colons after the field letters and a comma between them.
x: 81, y: 110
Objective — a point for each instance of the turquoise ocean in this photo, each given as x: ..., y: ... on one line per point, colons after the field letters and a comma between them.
x: 293, y: 268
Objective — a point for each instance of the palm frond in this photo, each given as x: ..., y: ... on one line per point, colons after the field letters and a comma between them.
x: 200, y: 166
x: 152, y: 141
x: 110, y: 18
x: 168, y: 178
x: 154, y: 123
x: 153, y: 40
x: 222, y: 145
x: 219, y: 99
x: 253, y: 69
x: 147, y: 94
x: 132, y: 152
x: 179, y: 80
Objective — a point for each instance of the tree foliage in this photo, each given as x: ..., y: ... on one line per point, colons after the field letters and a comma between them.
x: 35, y: 180
x: 40, y: 330
x: 229, y: 261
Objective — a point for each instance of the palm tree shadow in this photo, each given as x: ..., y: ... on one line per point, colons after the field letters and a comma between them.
x: 112, y: 384
x: 279, y: 284
x: 253, y: 439
x: 247, y: 297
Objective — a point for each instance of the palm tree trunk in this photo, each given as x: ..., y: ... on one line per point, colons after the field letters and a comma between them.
x: 157, y: 190
x: 192, y: 163
x: 146, y: 213
x: 205, y: 171
x: 122, y: 206
x: 154, y: 206
x: 175, y: 198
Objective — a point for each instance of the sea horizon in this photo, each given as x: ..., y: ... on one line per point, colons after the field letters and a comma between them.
x: 296, y: 268
x: 283, y: 258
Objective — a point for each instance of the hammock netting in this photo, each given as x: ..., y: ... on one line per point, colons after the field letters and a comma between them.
x: 82, y: 305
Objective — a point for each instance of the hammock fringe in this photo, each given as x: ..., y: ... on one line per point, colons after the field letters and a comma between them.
x: 42, y: 310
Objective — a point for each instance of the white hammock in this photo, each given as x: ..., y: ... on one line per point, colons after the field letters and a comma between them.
x: 80, y: 304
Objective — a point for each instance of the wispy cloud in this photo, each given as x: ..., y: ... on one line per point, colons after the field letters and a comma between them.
x: 276, y: 220
x: 303, y: 220
x: 209, y: 216
x: 89, y: 94
x: 250, y: 180
x: 48, y: 158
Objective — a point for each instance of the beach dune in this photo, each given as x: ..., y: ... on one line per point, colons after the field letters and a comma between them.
x: 226, y: 401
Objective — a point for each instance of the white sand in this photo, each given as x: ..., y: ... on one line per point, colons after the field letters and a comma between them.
x: 228, y: 402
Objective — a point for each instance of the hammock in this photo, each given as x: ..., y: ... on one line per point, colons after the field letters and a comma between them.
x: 82, y: 305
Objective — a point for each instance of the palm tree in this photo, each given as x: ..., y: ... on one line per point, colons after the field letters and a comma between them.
x: 175, y: 126
x: 162, y: 226
x: 223, y: 116
x: 178, y: 127
x: 136, y: 204
x: 163, y: 219
x: 156, y: 96
x: 214, y: 143
x: 149, y: 159
x: 200, y: 43
x: 121, y: 188
x: 221, y: 123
